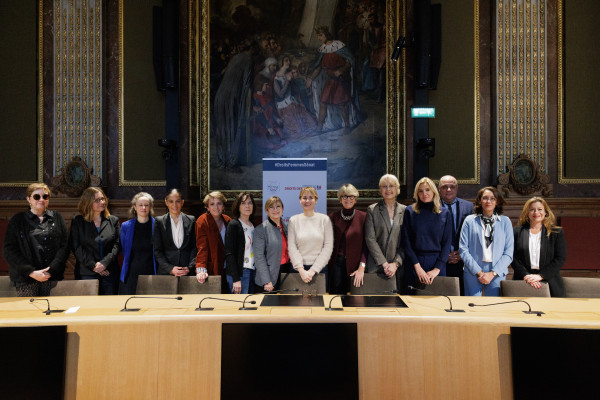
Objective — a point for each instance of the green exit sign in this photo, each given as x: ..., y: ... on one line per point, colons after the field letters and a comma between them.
x: 422, y: 112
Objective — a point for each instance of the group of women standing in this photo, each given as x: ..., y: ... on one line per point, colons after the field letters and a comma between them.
x: 408, y: 244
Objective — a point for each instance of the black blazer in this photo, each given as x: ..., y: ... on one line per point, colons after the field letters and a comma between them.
x: 84, y: 245
x: 20, y: 251
x: 553, y: 253
x: 235, y: 243
x: 166, y: 253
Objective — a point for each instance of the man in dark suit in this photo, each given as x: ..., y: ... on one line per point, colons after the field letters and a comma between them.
x: 459, y: 210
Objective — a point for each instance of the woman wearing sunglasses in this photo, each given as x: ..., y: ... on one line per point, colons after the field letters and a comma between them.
x: 36, y: 245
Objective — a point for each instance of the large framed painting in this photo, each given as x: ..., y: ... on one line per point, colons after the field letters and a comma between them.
x: 297, y: 79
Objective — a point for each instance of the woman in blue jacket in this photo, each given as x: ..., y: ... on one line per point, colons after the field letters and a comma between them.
x: 136, y: 241
x: 486, y: 245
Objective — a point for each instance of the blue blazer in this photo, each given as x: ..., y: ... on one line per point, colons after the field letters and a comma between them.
x: 464, y: 208
x: 471, y: 245
x: 127, y: 229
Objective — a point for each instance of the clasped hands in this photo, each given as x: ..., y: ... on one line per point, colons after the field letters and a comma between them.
x: 306, y: 276
x: 180, y: 271
x: 426, y: 277
x: 100, y: 269
x: 534, y: 280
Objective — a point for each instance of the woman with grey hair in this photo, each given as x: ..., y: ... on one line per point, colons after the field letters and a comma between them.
x: 136, y: 241
x: 349, y: 250
x: 383, y: 229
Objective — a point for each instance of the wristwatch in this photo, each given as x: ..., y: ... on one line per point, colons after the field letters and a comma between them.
x: 494, y: 273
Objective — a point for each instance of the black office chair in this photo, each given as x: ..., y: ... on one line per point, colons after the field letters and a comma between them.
x: 523, y: 289
x: 190, y: 285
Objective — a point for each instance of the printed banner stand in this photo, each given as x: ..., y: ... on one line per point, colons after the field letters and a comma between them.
x: 284, y: 177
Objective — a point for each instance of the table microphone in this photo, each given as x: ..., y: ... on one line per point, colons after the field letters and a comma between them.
x: 538, y: 313
x: 147, y: 297
x: 244, y: 308
x: 443, y: 295
x: 218, y: 298
x: 48, y: 311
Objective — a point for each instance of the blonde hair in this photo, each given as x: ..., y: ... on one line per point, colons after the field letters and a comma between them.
x: 273, y: 200
x: 437, y: 205
x: 87, y: 200
x: 347, y: 190
x: 310, y: 190
x: 214, y: 195
x: 132, y: 212
x: 549, y: 221
x: 35, y: 186
x: 389, y: 178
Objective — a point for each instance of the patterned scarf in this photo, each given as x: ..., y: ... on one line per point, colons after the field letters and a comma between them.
x: 488, y: 228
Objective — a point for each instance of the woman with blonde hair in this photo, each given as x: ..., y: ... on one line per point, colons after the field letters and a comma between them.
x: 95, y: 241
x: 271, y: 247
x: 383, y: 232
x: 210, y: 239
x: 36, y: 245
x: 136, y: 239
x: 540, y: 247
x: 310, y: 237
x: 426, y: 235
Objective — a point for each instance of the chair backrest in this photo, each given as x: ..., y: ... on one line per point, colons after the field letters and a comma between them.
x: 441, y: 286
x: 6, y: 289
x: 156, y: 284
x: 521, y: 288
x: 190, y: 285
x: 293, y: 281
x: 372, y: 284
x: 582, y: 287
x: 75, y: 288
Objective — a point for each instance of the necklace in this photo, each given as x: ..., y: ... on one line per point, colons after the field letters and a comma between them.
x: 349, y: 217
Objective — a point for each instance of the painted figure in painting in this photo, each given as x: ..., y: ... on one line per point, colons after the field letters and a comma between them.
x: 230, y: 107
x: 334, y: 91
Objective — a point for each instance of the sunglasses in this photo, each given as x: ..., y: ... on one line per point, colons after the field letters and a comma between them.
x: 36, y: 197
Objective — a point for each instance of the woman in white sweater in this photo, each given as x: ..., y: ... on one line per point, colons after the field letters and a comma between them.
x: 310, y: 238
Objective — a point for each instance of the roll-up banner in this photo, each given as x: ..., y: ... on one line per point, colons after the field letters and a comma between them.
x: 284, y: 177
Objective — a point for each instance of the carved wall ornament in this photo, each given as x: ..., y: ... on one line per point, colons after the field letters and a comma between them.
x: 524, y: 178
x: 75, y: 177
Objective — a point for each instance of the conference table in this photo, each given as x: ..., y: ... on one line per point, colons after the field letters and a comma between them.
x: 168, y: 350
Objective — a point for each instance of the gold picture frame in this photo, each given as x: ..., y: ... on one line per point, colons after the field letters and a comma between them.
x: 394, y: 106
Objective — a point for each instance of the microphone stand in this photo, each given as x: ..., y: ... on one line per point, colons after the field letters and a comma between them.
x: 244, y: 308
x: 337, y: 308
x: 125, y: 309
x: 538, y: 313
x: 218, y: 298
x: 451, y: 309
x: 48, y: 311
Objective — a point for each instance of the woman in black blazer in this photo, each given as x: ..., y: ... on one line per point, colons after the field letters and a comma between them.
x: 239, y: 255
x: 540, y: 247
x: 175, y: 239
x: 95, y: 241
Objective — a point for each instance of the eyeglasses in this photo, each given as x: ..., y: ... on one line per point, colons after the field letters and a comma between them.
x: 348, y: 197
x: 490, y: 199
x: 100, y: 200
x: 36, y: 196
